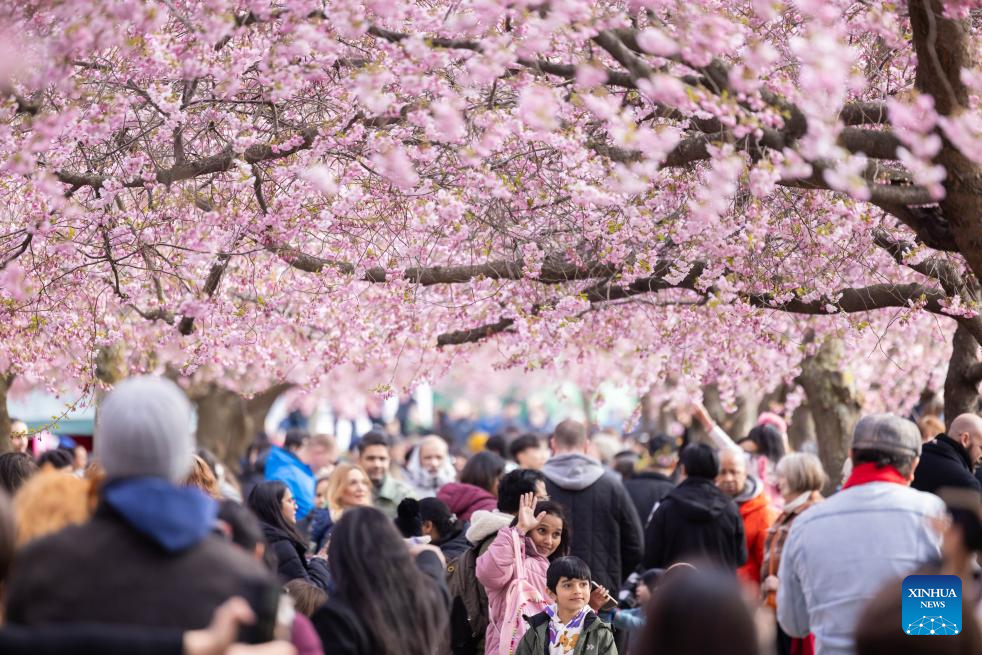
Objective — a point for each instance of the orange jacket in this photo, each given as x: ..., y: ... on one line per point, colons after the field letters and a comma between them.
x: 758, y: 517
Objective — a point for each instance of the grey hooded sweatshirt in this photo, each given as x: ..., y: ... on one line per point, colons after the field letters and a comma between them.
x: 606, y: 529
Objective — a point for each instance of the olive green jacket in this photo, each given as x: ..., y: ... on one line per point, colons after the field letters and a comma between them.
x: 390, y: 494
x: 596, y: 638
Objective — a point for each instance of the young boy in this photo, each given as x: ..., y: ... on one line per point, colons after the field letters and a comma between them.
x: 568, y: 626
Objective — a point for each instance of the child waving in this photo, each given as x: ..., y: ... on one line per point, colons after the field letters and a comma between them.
x: 513, y: 570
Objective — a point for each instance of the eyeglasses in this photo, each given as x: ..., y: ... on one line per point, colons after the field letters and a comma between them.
x: 292, y: 500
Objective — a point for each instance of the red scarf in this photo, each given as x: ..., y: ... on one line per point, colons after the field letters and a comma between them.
x: 870, y: 472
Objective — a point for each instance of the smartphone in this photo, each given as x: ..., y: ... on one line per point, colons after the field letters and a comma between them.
x: 264, y: 599
x: 611, y: 602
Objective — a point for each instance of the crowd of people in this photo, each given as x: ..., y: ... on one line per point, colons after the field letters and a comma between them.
x: 563, y: 543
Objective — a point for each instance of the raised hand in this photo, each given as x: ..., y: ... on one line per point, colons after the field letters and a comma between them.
x: 526, y: 513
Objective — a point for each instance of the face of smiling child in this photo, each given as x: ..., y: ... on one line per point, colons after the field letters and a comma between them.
x: 547, y: 535
x: 571, y: 595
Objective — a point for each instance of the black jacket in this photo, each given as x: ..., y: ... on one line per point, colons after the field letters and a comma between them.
x: 607, y: 532
x: 646, y: 489
x: 343, y: 631
x: 944, y: 463
x: 695, y: 521
x: 104, y: 571
x: 291, y: 558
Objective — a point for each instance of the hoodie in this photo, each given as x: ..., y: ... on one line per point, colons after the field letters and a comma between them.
x: 573, y: 471
x: 425, y: 483
x: 695, y: 522
x: 464, y: 499
x: 758, y: 516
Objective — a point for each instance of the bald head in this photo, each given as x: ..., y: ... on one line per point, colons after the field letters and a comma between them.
x: 732, y: 476
x: 966, y: 429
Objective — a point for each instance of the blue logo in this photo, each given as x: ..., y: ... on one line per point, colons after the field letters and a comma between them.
x: 932, y: 605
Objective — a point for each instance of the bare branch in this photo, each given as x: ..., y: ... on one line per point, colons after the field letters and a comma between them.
x: 474, y: 334
x: 864, y: 113
x: 21, y: 249
x: 218, y: 163
x: 874, y: 143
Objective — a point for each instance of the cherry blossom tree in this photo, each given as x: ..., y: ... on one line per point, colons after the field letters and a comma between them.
x: 262, y: 192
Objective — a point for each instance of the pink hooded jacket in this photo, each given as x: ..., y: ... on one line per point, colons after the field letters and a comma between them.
x: 496, y: 569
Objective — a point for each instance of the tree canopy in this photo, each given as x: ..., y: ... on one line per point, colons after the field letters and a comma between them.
x: 268, y: 191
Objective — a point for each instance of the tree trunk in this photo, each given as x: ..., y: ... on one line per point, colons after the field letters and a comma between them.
x: 5, y: 381
x: 228, y: 422
x: 961, y: 394
x: 801, y: 430
x: 834, y: 405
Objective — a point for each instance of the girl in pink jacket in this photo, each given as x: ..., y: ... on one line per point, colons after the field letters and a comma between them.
x: 521, y: 551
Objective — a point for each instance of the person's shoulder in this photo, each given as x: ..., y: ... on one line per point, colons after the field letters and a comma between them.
x: 926, y: 502
x: 63, y: 546
x: 535, y: 620
x: 338, y: 621
x: 593, y: 622
x: 401, y: 485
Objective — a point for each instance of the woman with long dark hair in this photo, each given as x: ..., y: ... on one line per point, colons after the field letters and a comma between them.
x: 273, y: 504
x: 381, y: 604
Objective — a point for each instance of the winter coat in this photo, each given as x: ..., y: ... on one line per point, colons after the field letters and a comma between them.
x: 291, y: 558
x: 944, y: 463
x: 465, y: 499
x: 286, y: 467
x: 485, y: 524
x: 344, y: 632
x: 842, y: 551
x: 758, y: 516
x: 496, y: 570
x: 596, y: 638
x: 105, y: 571
x: 646, y: 489
x: 695, y: 521
x: 606, y: 530
x: 390, y: 493
x: 453, y: 545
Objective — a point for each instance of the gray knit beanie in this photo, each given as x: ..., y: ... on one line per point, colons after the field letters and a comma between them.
x: 144, y: 429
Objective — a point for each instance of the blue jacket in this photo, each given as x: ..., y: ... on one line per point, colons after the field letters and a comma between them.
x: 286, y: 467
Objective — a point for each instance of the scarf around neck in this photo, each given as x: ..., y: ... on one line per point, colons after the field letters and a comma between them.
x: 564, y: 637
x: 797, y: 502
x: 869, y: 472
